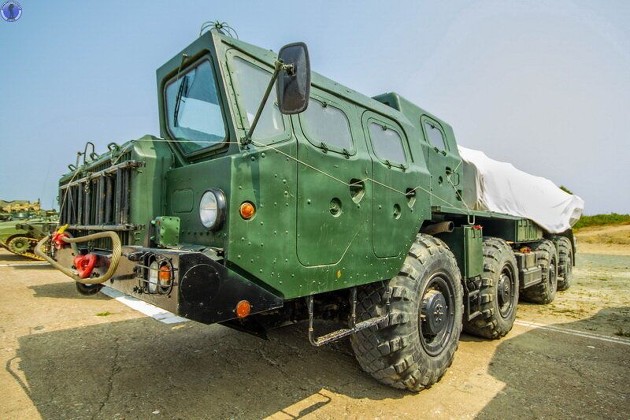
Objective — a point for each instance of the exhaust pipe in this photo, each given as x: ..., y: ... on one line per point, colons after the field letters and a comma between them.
x: 442, y: 227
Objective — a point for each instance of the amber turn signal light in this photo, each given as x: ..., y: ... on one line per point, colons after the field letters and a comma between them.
x: 243, y: 308
x: 247, y: 210
x: 165, y: 274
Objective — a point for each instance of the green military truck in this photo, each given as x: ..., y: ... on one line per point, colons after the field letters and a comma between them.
x: 254, y: 210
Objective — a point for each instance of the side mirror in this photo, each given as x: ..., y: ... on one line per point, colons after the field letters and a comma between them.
x: 294, y: 81
x: 292, y: 76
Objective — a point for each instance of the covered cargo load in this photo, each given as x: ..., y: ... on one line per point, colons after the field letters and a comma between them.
x: 502, y: 188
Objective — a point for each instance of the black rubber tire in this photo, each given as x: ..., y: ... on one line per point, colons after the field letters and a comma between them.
x: 544, y: 292
x: 565, y: 262
x: 499, y: 291
x: 88, y: 289
x: 403, y: 351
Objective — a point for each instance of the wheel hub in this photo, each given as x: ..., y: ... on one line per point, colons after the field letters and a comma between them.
x: 504, y: 289
x: 504, y: 294
x: 552, y: 274
x: 434, y: 311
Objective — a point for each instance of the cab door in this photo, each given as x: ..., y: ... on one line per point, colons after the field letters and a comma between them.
x: 395, y: 215
x: 444, y: 164
x: 333, y: 196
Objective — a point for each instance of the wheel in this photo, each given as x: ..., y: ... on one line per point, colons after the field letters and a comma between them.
x: 415, y: 346
x: 565, y: 263
x: 88, y: 289
x: 499, y: 291
x: 544, y: 292
x: 19, y: 245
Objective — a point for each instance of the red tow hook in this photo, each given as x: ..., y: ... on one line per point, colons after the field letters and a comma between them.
x: 57, y: 239
x: 85, y: 264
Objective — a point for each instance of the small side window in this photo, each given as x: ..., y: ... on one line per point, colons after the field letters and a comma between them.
x: 252, y: 82
x: 387, y: 143
x: 324, y: 123
x: 434, y: 135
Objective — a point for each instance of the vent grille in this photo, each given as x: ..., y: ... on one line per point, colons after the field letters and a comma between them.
x: 99, y: 200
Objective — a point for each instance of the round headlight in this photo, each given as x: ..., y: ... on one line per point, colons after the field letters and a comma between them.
x: 212, y: 209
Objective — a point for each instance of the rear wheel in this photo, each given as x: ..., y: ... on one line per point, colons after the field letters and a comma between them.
x: 499, y: 291
x: 565, y: 263
x: 413, y: 348
x: 544, y: 292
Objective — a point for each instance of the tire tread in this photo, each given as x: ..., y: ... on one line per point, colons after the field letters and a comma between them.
x: 390, y: 351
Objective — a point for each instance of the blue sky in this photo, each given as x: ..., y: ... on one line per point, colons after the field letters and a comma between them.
x: 542, y: 84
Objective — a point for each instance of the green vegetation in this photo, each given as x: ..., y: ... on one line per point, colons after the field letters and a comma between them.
x: 602, y: 220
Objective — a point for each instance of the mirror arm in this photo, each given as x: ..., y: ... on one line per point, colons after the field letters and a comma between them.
x: 279, y: 66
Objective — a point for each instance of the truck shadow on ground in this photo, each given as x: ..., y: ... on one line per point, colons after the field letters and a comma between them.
x: 134, y: 368
x: 64, y: 290
x: 137, y: 367
x: 554, y: 374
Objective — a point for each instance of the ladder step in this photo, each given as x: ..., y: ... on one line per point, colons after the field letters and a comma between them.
x: 344, y: 332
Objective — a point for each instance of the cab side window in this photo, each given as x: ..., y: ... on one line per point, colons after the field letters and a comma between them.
x: 434, y: 134
x: 387, y: 143
x: 326, y: 125
x: 251, y: 84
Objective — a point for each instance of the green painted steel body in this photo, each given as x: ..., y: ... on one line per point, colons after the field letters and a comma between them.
x: 521, y: 230
x: 166, y: 231
x: 466, y: 243
x: 326, y: 219
x: 146, y: 202
x: 296, y: 244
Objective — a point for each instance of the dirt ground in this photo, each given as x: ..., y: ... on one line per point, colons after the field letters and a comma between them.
x: 69, y: 356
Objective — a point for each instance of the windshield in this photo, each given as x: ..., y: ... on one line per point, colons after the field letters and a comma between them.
x: 193, y: 109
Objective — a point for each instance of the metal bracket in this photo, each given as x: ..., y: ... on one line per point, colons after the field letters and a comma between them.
x: 344, y: 332
x: 473, y: 300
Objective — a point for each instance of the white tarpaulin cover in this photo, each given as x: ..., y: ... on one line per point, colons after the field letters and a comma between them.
x: 500, y: 187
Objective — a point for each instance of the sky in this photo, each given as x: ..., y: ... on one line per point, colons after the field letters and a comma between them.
x: 544, y: 85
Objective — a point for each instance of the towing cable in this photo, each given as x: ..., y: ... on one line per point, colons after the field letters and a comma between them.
x: 65, y: 237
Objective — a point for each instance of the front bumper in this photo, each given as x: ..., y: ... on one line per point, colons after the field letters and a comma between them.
x: 202, y: 288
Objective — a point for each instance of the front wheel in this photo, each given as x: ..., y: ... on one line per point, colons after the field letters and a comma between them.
x: 416, y: 344
x: 88, y: 289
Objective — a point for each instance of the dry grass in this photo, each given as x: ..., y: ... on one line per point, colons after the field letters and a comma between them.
x: 614, y: 239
